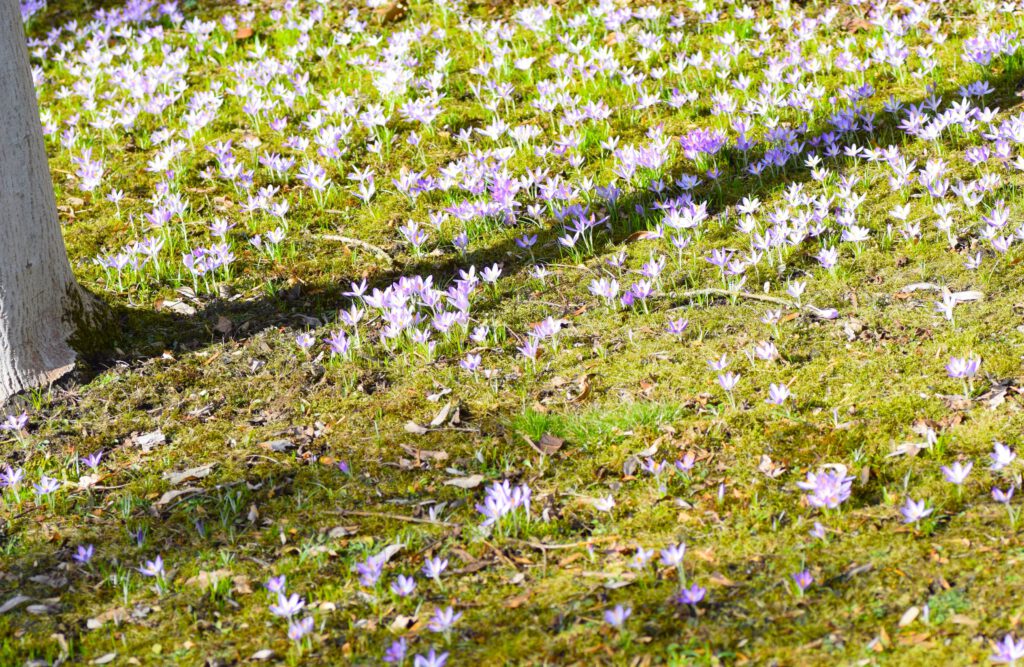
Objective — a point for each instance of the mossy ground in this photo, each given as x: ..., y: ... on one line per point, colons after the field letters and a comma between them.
x: 223, y: 381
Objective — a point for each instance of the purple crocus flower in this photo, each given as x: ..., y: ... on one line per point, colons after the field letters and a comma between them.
x: 444, y: 619
x: 1008, y: 651
x: 395, y: 653
x: 286, y: 607
x: 403, y: 586
x: 827, y: 489
x: 83, y: 554
x: 914, y: 511
x: 777, y: 394
x: 957, y: 473
x: 433, y: 567
x: 692, y: 595
x: 1003, y: 497
x: 276, y: 584
x: 299, y: 629
x: 803, y: 579
x: 1001, y: 456
x: 617, y: 616
x: 431, y: 659
x: 153, y: 568
x: 672, y: 555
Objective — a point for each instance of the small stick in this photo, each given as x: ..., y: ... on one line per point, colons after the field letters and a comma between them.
x: 378, y: 252
x: 572, y: 545
x: 715, y: 291
x: 397, y: 517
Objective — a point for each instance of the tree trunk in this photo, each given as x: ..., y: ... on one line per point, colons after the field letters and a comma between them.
x: 41, y: 305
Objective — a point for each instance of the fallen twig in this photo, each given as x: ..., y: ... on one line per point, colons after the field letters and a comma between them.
x: 753, y: 296
x: 397, y: 517
x: 572, y: 545
x: 348, y: 240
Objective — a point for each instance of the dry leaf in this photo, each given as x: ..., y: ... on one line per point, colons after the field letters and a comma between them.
x: 584, y: 389
x: 549, y: 444
x: 393, y: 12
x: 208, y: 579
x: 470, y: 482
x: 909, y: 616
x: 190, y: 474
x: 517, y: 601
x: 414, y: 428
x: 174, y: 494
x: 960, y: 619
x: 441, y: 416
x: 241, y: 584
x: 279, y: 446
x: 244, y: 32
x: 224, y: 325
x: 117, y: 615
x: 176, y: 306
x: 13, y: 602
x: 641, y: 235
x: 147, y: 441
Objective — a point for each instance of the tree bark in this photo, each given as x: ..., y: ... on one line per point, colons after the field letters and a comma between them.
x: 41, y: 305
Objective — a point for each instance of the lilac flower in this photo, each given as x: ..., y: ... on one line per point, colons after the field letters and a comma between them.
x: 46, y: 486
x: 304, y: 340
x: 728, y: 380
x: 617, y: 616
x: 432, y: 659
x: 605, y: 504
x: 1003, y: 497
x: 827, y: 489
x: 1001, y: 456
x: 803, y: 580
x: 83, y: 554
x: 502, y: 499
x: 299, y: 629
x: 702, y: 141
x: 370, y: 570
x: 276, y: 584
x: 963, y: 368
x: 286, y: 607
x: 444, y: 619
x: 672, y: 555
x: 92, y: 461
x: 11, y: 477
x: 491, y: 274
x: 692, y: 595
x: 403, y: 586
x: 530, y: 348
x: 395, y: 653
x: 914, y: 511
x: 433, y: 567
x: 471, y: 363
x: 1008, y: 651
x: 339, y: 344
x: 766, y: 351
x: 678, y: 327
x: 641, y: 558
x: 153, y: 568
x: 777, y: 394
x: 607, y: 289
x: 15, y: 424
x: 685, y: 464
x: 957, y: 473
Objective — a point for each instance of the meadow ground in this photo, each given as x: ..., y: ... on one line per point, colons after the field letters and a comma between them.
x: 496, y: 333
